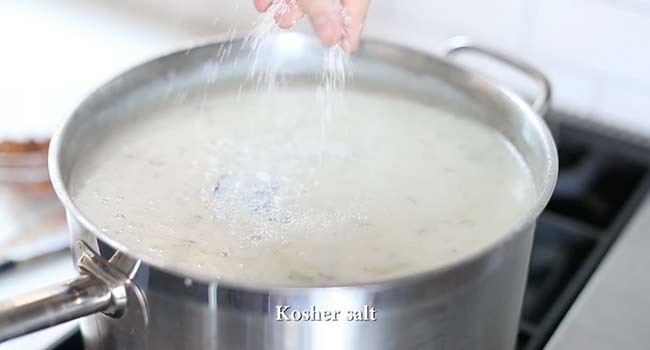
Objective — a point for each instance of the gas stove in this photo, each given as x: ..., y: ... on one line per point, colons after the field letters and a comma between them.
x: 602, y: 182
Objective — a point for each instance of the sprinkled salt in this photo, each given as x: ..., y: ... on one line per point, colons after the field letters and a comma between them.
x: 335, y: 58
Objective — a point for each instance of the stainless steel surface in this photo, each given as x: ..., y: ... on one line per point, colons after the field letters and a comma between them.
x: 471, y: 304
x: 542, y: 102
x: 32, y: 275
x: 50, y: 306
x: 99, y: 288
x: 612, y: 310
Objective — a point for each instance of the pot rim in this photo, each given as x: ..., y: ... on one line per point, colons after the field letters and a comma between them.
x: 544, y: 192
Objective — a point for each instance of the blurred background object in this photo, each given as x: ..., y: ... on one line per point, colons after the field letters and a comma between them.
x: 33, y: 222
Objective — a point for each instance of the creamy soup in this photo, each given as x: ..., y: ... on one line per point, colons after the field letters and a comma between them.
x: 265, y: 188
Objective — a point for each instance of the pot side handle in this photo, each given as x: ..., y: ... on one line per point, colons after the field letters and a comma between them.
x: 95, y: 290
x: 462, y: 44
x: 53, y: 305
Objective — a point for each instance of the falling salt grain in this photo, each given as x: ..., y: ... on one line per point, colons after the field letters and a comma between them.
x: 335, y: 58
x: 264, y: 27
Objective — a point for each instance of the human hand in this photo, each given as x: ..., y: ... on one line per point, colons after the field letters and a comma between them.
x: 333, y: 22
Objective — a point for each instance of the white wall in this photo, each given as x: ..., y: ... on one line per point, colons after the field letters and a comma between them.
x: 596, y: 52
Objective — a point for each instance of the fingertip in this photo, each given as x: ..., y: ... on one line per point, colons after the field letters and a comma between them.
x: 288, y: 19
x: 326, y: 19
x: 356, y: 12
x: 262, y: 5
x: 351, y: 46
x: 328, y: 29
x: 351, y: 39
x: 330, y: 38
x: 284, y: 24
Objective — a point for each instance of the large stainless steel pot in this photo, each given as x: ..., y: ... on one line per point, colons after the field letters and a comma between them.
x: 132, y: 302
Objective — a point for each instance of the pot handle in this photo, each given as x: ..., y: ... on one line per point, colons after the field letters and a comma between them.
x: 541, y: 104
x: 95, y: 290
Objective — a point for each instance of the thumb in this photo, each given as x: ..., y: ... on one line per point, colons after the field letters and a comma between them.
x: 326, y: 18
x: 357, y: 10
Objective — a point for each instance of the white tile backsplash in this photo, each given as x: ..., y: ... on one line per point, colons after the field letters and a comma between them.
x: 625, y: 103
x: 427, y: 23
x: 574, y: 88
x: 596, y: 52
x: 598, y: 34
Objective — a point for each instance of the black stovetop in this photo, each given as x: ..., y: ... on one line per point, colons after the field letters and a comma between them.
x: 601, y: 183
